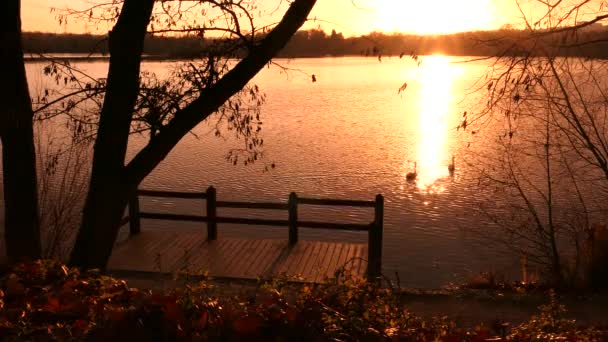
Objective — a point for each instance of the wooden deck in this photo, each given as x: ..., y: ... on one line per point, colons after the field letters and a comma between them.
x: 152, y: 252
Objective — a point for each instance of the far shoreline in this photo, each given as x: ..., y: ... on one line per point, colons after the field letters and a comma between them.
x: 164, y: 58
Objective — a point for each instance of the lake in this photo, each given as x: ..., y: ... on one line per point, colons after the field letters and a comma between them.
x: 351, y: 135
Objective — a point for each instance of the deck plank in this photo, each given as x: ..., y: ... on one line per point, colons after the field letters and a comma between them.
x: 190, y: 252
x: 256, y: 267
x: 363, y: 263
x: 199, y: 256
x: 236, y: 256
x: 253, y: 270
x: 241, y: 256
x: 292, y: 253
x: 350, y: 258
x: 323, y: 263
x: 299, y: 267
x: 245, y: 268
x: 141, y: 253
x: 247, y: 258
x: 204, y: 259
x: 332, y: 261
x: 272, y: 258
x: 357, y: 263
x: 292, y: 259
x: 302, y: 267
x: 154, y: 254
x: 189, y: 244
x: 210, y: 259
x: 335, y: 258
x: 175, y: 255
x: 318, y: 264
x: 312, y: 267
x: 229, y: 256
x: 343, y: 255
x: 124, y: 257
x: 156, y: 242
x: 330, y: 267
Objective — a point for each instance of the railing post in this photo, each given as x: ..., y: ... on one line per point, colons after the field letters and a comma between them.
x: 134, y: 222
x: 293, y: 218
x: 211, y: 214
x: 374, y: 251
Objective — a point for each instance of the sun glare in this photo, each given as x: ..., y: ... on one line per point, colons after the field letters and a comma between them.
x: 434, y: 16
x: 436, y: 79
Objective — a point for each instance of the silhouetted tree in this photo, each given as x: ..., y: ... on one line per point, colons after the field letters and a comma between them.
x: 552, y: 112
x: 167, y: 111
x: 21, y: 226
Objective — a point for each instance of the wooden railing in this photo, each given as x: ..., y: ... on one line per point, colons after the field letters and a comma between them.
x: 374, y: 229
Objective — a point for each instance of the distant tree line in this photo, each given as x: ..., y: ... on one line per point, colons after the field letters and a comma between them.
x: 39, y: 42
x: 318, y: 43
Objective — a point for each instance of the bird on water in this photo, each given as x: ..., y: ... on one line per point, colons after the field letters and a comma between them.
x: 411, y: 176
x: 452, y: 167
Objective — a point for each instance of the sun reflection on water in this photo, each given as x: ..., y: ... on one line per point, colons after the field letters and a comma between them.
x: 436, y: 77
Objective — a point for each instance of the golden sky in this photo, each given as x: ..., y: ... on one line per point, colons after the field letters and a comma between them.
x: 352, y: 17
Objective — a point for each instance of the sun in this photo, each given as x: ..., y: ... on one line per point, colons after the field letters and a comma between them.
x: 434, y: 16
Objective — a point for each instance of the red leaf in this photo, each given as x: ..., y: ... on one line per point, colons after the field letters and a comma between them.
x: 292, y: 314
x: 14, y: 286
x: 68, y: 286
x: 80, y: 324
x: 157, y: 299
x: 248, y: 325
x: 171, y: 310
x: 203, y: 320
x: 115, y: 314
x: 53, y: 304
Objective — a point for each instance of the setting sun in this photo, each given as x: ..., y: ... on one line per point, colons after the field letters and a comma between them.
x: 434, y: 16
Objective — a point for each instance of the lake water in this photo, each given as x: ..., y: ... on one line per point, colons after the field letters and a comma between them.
x: 351, y: 135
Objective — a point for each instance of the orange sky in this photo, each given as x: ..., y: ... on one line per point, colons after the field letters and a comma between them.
x: 352, y: 17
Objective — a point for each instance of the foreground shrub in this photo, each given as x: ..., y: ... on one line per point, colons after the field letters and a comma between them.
x: 552, y: 325
x: 47, y: 301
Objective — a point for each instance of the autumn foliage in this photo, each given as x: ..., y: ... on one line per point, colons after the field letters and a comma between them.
x: 47, y: 301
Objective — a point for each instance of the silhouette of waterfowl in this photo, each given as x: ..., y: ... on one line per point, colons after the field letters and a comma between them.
x: 452, y: 167
x: 411, y: 176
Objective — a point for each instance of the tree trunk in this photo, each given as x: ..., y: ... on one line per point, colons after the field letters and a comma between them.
x: 21, y: 222
x: 108, y: 190
x: 103, y: 212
